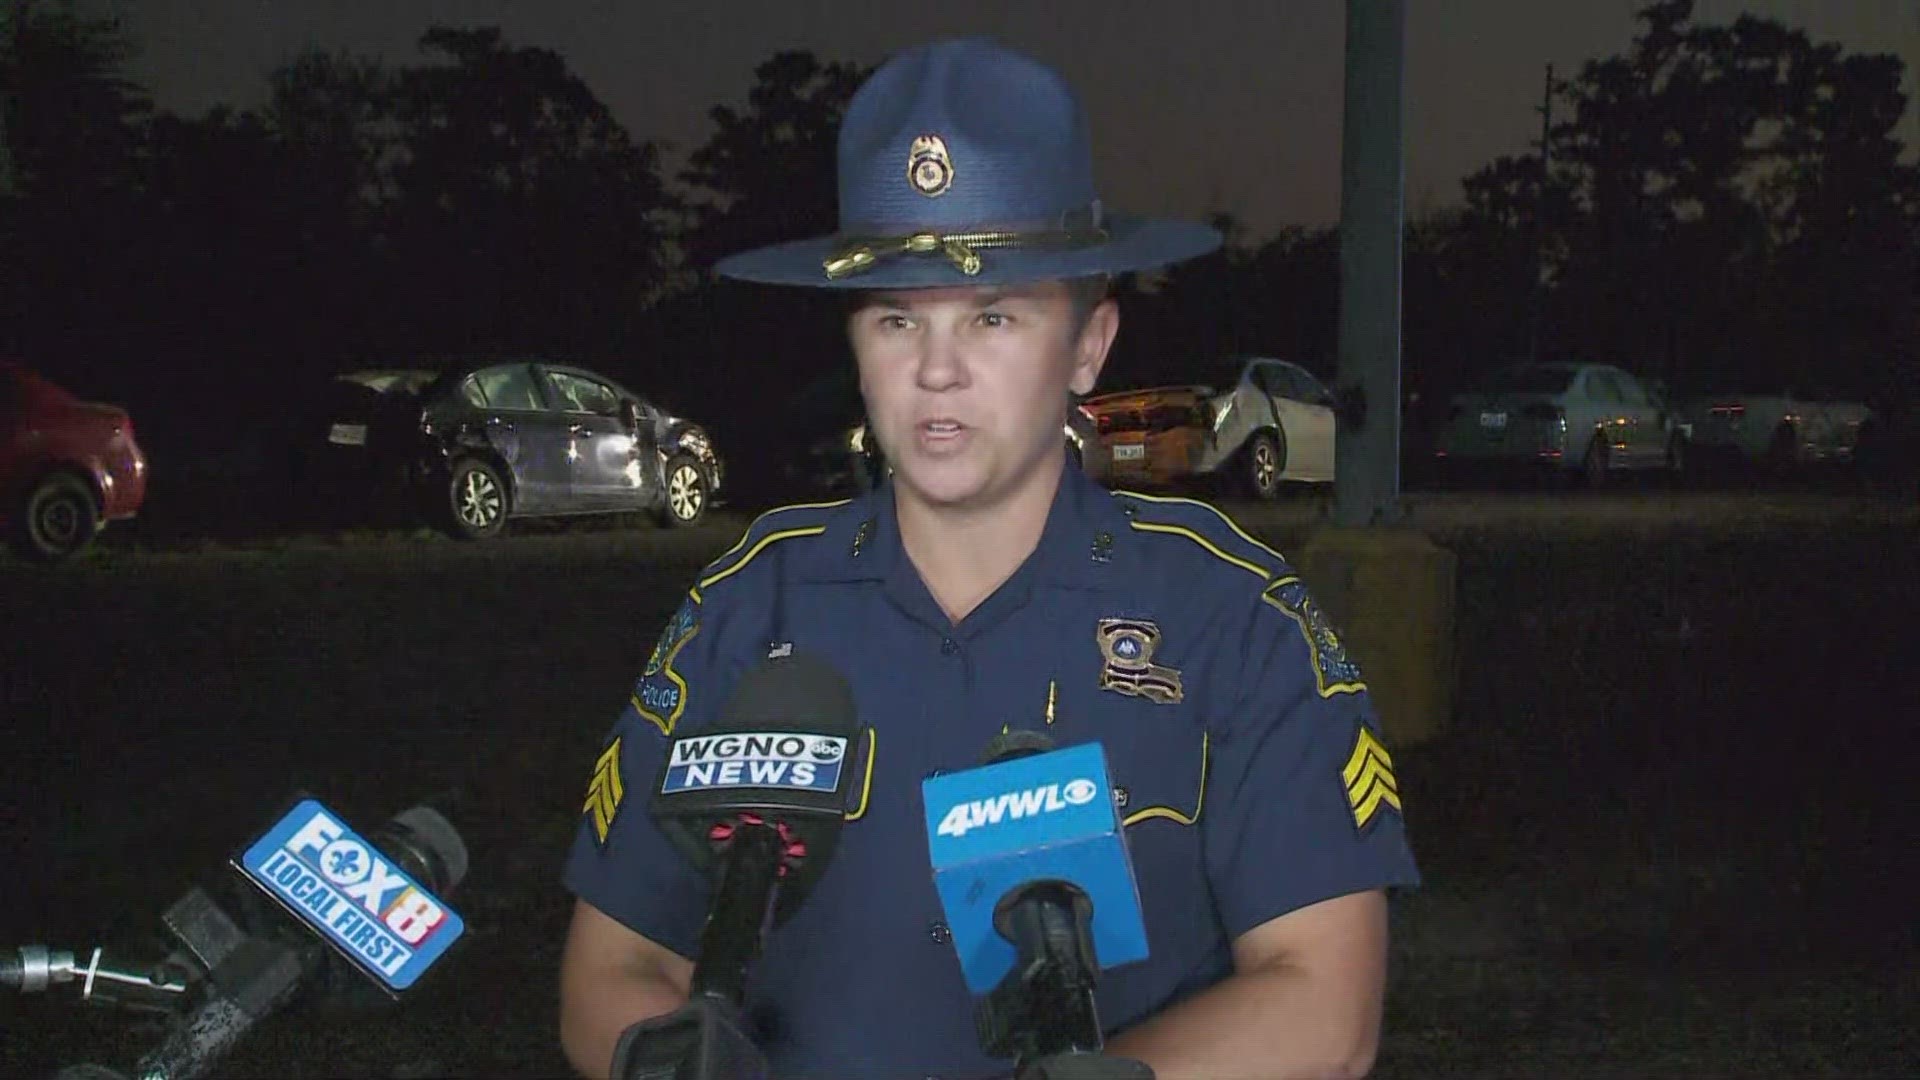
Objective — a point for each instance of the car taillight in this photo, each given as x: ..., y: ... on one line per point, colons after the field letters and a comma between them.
x: 1735, y: 411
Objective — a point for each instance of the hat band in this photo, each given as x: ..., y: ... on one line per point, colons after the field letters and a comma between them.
x: 962, y: 249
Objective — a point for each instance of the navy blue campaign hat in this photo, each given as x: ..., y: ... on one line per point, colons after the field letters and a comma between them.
x: 965, y: 163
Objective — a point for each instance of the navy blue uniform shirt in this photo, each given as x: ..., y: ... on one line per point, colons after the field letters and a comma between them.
x: 1244, y: 751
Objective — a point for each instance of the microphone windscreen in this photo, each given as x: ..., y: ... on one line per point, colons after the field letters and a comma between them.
x: 1013, y: 744
x: 432, y: 831
x: 793, y: 693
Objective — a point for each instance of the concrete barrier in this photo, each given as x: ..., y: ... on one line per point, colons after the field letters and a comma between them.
x: 1389, y: 592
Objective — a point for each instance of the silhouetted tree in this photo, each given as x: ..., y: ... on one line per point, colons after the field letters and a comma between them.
x: 767, y: 363
x: 73, y: 127
x: 767, y: 173
x: 525, y: 216
x: 1724, y: 202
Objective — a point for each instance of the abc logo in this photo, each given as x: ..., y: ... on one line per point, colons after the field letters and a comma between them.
x: 824, y: 749
x: 1078, y: 792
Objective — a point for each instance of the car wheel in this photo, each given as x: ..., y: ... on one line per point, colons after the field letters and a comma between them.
x: 56, y: 520
x: 1266, y: 460
x: 476, y: 501
x: 1593, y: 464
x: 686, y: 495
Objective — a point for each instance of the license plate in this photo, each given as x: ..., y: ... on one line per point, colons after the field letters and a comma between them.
x: 348, y: 434
x: 1129, y: 452
x: 1493, y: 420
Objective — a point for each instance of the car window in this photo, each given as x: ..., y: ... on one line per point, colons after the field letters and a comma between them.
x: 1532, y: 379
x: 471, y: 393
x: 575, y: 394
x: 1302, y: 386
x: 509, y: 386
x: 1602, y: 388
x: 1630, y: 390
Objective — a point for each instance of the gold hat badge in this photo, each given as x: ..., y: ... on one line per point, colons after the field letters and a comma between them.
x: 929, y: 166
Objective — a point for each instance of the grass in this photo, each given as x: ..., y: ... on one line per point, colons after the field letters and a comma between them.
x: 1649, y: 852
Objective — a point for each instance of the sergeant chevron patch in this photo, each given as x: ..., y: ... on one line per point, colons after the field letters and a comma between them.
x: 1369, y: 780
x: 604, y: 792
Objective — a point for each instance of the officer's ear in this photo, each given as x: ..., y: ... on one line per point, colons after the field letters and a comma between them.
x: 1092, y: 344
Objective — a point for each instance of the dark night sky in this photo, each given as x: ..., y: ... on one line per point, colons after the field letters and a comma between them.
x: 1230, y: 104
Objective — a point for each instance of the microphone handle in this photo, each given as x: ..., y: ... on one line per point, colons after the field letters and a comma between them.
x: 259, y: 977
x: 748, y: 882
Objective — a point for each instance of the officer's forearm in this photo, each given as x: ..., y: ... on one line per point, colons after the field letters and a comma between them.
x: 595, y: 1012
x: 1276, y: 1023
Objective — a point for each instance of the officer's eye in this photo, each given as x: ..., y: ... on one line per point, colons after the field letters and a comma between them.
x: 892, y: 321
x: 995, y: 320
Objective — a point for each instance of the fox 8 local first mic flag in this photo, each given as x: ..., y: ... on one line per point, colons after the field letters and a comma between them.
x: 374, y: 913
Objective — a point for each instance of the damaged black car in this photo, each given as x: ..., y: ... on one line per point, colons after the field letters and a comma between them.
x: 475, y: 445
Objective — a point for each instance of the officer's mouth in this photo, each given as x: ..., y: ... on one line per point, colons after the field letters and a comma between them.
x: 941, y: 434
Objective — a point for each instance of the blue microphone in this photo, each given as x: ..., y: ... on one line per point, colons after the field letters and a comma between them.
x: 1030, y: 860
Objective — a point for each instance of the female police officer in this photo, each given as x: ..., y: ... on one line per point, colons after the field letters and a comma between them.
x: 989, y: 585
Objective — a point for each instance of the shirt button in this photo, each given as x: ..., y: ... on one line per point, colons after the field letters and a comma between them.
x: 938, y: 931
x: 949, y: 647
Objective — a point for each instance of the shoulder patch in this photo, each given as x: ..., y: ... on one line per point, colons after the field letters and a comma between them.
x: 1334, y: 672
x: 771, y: 527
x: 1203, y: 525
x: 661, y: 694
x: 1368, y: 779
x: 604, y: 791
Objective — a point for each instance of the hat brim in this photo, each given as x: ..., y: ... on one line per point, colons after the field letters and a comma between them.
x: 1133, y: 244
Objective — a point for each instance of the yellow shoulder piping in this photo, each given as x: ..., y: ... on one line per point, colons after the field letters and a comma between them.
x: 1261, y: 572
x: 761, y: 544
x: 1175, y: 500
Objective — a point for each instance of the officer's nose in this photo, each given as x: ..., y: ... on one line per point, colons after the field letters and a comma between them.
x: 941, y: 367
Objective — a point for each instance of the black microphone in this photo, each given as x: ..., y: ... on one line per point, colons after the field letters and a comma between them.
x: 1026, y: 910
x: 1015, y: 743
x: 757, y: 801
x: 350, y: 910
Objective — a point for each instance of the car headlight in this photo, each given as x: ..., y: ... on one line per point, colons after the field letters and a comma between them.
x: 694, y: 441
x: 856, y: 439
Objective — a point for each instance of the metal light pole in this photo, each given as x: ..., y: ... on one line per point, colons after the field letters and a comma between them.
x: 1366, y: 486
x: 1387, y: 586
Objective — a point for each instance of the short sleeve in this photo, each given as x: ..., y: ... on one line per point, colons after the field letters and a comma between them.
x: 1302, y: 803
x: 620, y: 861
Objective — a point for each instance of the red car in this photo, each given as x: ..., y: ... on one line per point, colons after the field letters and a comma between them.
x: 67, y: 466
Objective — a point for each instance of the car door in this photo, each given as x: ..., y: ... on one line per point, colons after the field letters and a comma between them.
x: 1306, y: 407
x: 606, y: 454
x: 528, y: 436
x: 1646, y: 443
